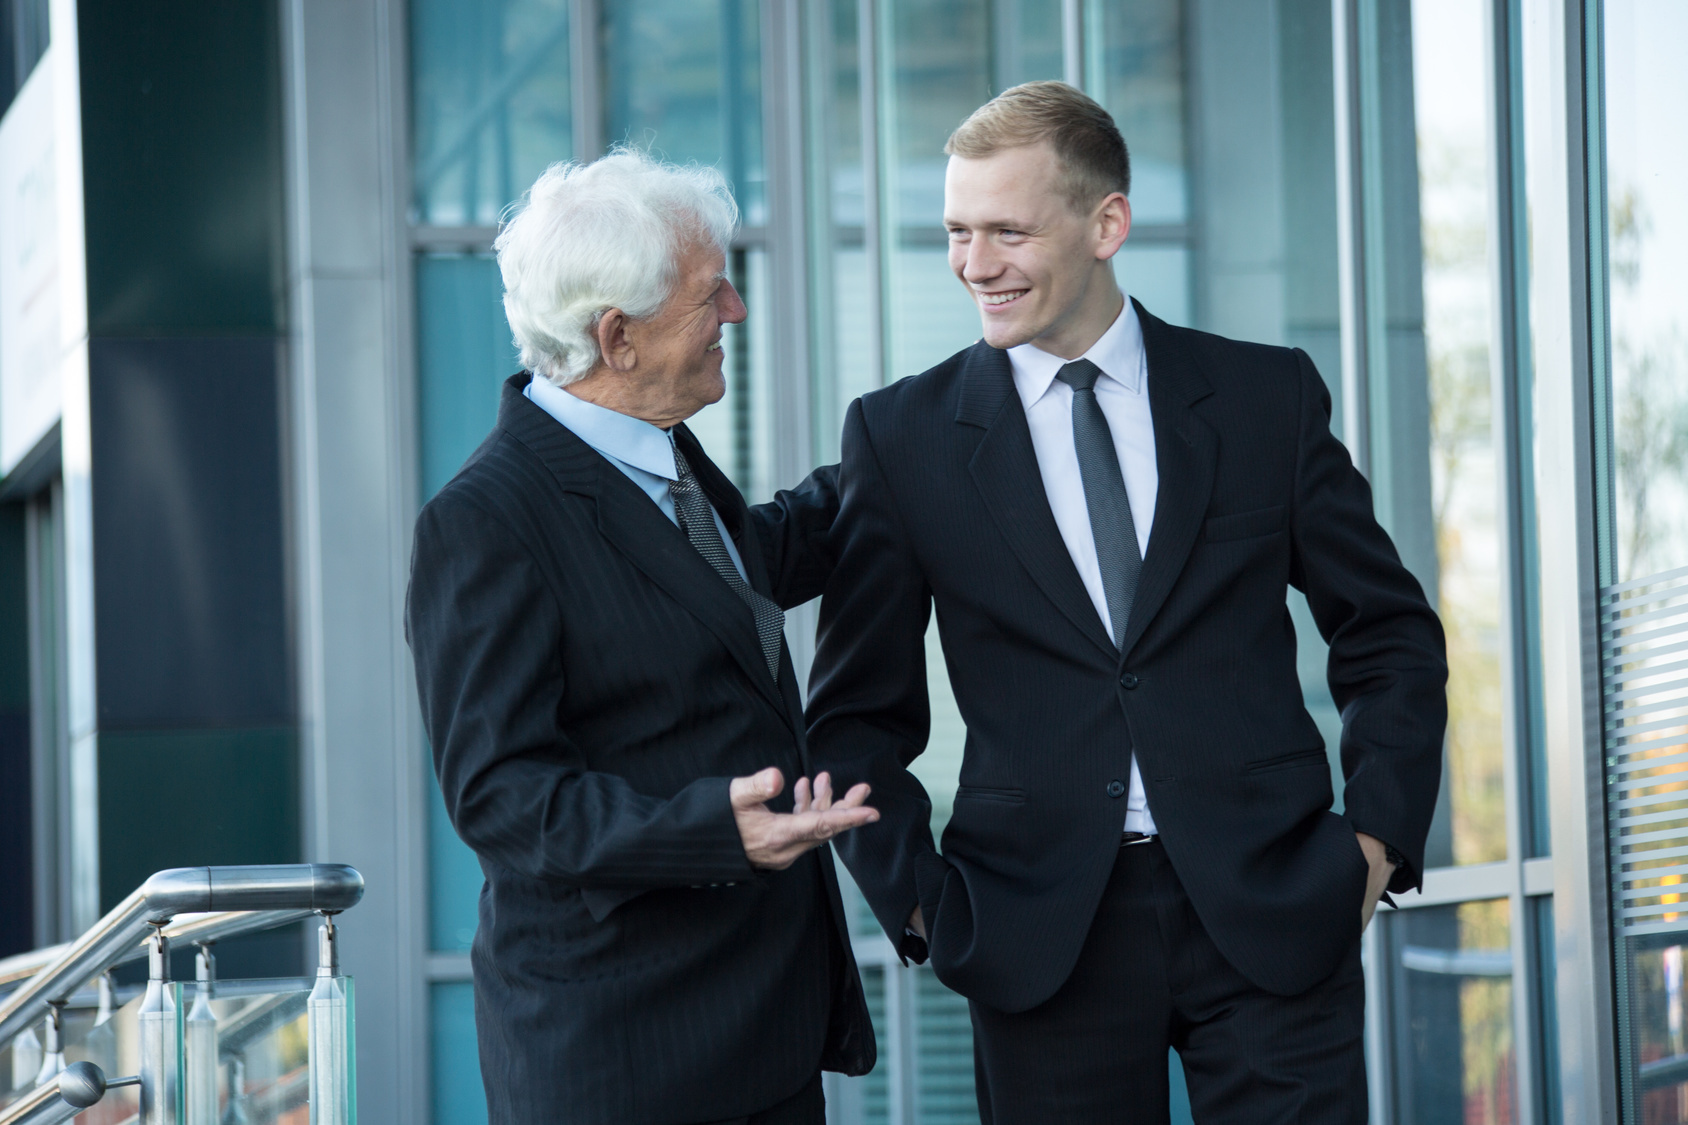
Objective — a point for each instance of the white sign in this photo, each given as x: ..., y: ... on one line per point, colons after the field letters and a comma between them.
x: 31, y: 346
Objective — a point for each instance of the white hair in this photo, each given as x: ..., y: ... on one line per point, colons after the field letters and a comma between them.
x: 588, y: 238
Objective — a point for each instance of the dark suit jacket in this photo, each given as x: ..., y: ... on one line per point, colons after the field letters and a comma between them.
x: 590, y: 686
x: 943, y: 505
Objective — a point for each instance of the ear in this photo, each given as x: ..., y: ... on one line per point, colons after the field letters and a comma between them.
x: 1112, y: 224
x: 615, y: 344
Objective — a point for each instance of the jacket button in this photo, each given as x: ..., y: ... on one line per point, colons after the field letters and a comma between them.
x: 1128, y: 681
x: 1116, y: 788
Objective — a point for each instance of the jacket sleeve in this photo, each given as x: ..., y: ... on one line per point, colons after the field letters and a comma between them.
x: 869, y: 715
x: 795, y: 532
x: 1388, y: 668
x: 487, y: 632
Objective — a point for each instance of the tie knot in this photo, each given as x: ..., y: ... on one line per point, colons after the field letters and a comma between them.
x: 1080, y: 374
x: 682, y: 467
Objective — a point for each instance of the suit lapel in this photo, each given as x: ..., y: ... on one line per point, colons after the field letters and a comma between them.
x: 1186, y: 449
x: 1004, y: 467
x: 638, y: 529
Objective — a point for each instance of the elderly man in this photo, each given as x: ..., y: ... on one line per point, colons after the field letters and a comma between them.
x: 595, y: 616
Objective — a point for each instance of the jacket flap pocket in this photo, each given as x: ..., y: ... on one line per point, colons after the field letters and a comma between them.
x: 601, y: 900
x: 1288, y: 761
x: 985, y: 793
x: 1242, y: 525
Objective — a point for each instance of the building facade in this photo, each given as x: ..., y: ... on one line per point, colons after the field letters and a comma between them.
x: 250, y: 321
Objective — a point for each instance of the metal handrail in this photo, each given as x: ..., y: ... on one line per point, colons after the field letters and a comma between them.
x: 188, y: 928
x: 294, y: 887
x: 78, y: 1086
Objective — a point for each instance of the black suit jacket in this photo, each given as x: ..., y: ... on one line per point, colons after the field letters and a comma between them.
x: 943, y: 504
x: 590, y: 686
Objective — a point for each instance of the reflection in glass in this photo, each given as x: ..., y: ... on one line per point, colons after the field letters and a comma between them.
x: 1454, y: 172
x: 936, y: 56
x: 1657, y: 1035
x: 683, y: 78
x: 490, y: 103
x: 1646, y: 96
x: 1451, y: 970
x: 1137, y: 60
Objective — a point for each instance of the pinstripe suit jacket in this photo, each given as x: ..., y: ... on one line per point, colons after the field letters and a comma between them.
x: 943, y: 504
x: 590, y: 686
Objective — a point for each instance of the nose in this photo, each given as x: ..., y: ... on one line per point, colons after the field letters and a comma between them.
x: 979, y: 261
x: 732, y: 305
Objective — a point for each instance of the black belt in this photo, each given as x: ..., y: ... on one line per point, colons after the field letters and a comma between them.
x: 1127, y: 839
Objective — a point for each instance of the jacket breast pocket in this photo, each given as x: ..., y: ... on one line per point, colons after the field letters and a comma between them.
x: 1246, y: 525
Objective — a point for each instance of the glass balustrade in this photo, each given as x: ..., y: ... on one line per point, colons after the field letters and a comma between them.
x: 231, y: 1052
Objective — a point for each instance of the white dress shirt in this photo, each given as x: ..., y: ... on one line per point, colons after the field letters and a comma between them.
x: 1123, y: 394
x: 644, y: 453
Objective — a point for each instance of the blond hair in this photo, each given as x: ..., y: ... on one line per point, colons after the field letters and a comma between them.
x: 1093, y: 156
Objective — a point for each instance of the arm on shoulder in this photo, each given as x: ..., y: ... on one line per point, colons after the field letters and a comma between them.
x: 795, y: 531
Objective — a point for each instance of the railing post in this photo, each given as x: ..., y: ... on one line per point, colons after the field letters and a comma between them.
x: 200, y: 1035
x: 329, y: 1013
x: 52, y: 1058
x: 161, y: 1046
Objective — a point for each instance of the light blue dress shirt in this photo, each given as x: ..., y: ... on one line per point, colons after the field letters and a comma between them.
x: 644, y: 453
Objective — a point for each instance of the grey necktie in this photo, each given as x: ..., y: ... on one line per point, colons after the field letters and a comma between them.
x: 1111, y: 524
x: 697, y: 520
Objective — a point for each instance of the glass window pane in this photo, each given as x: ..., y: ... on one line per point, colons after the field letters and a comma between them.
x: 684, y: 80
x: 1454, y: 172
x: 464, y: 354
x: 936, y: 56
x: 1434, y: 462
x: 1644, y: 610
x: 490, y: 103
x: 1646, y: 94
x: 1451, y: 972
x: 458, y: 1095
x: 1136, y: 70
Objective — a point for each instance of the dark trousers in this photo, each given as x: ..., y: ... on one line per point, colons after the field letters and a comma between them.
x: 1149, y: 979
x: 806, y: 1107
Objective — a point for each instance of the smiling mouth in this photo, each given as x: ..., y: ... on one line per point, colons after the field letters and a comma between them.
x: 715, y: 347
x: 998, y: 300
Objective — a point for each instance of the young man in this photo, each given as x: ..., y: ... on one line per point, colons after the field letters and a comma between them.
x: 1107, y: 512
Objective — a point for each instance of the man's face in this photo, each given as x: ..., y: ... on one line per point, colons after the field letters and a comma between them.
x: 1027, y: 257
x: 679, y: 349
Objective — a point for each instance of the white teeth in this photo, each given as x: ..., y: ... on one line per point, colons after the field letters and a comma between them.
x: 715, y: 347
x: 1001, y: 298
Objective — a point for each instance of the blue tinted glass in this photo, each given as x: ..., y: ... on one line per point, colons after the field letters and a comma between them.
x: 464, y: 354
x: 1136, y: 69
x: 490, y: 99
x: 458, y: 1095
x: 684, y: 79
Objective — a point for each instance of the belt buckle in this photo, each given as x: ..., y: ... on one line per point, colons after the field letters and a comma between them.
x: 1132, y: 839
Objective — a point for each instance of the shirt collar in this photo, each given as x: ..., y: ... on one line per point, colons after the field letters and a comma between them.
x: 621, y: 436
x: 1118, y: 353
